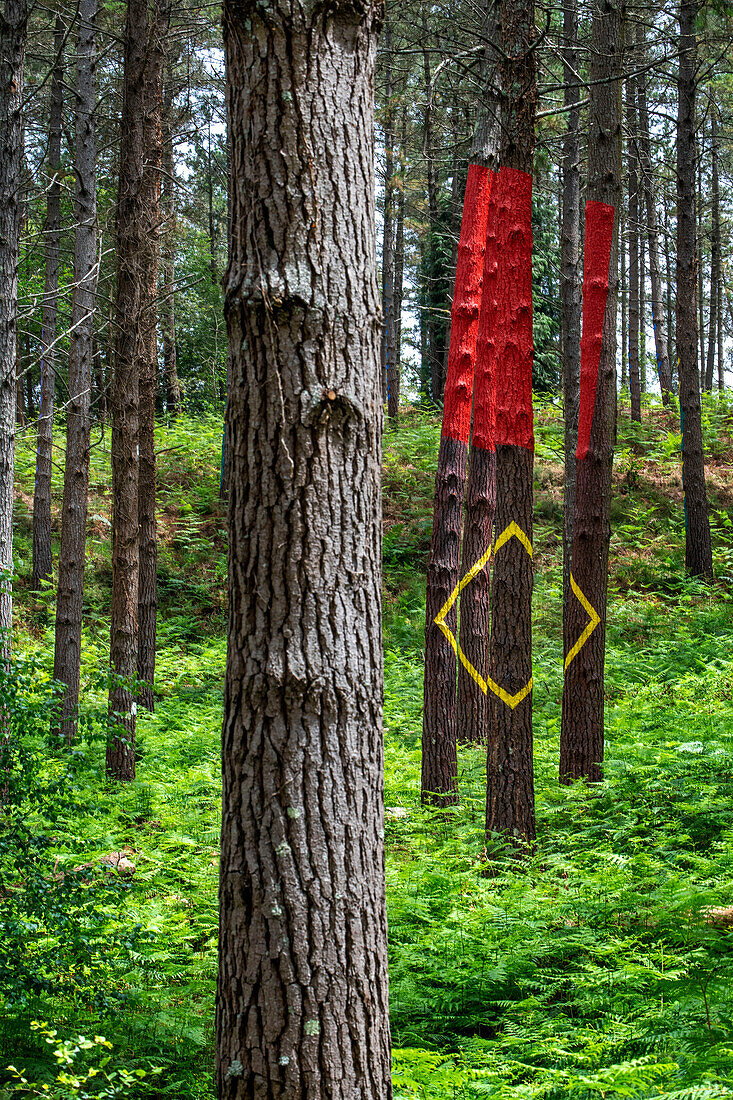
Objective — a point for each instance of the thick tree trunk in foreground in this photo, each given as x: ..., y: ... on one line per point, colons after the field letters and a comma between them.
x: 13, y: 25
x: 698, y: 547
x: 67, y: 652
x: 130, y: 302
x: 584, y: 628
x: 148, y: 357
x: 302, y: 1006
x: 42, y: 557
x: 439, y: 754
x: 510, y: 768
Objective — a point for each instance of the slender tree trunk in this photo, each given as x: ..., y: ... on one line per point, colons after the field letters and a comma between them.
x: 42, y: 558
x: 475, y: 601
x: 148, y: 590
x: 634, y: 273
x: 698, y: 546
x: 168, y: 260
x: 130, y: 304
x: 510, y: 768
x: 581, y: 739
x: 721, y: 361
x: 302, y: 1005
x: 399, y: 258
x: 643, y: 381
x: 661, y: 346
x: 699, y: 252
x: 392, y: 377
x: 624, y: 290
x: 714, y: 253
x: 67, y: 651
x: 570, y: 302
x: 13, y: 26
x: 19, y: 394
x: 669, y: 297
x: 438, y: 382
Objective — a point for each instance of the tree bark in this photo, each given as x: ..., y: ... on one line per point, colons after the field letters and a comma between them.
x: 570, y: 301
x: 634, y: 273
x: 698, y: 546
x: 714, y: 252
x: 392, y: 378
x: 67, y: 650
x: 624, y: 292
x: 584, y: 628
x: 130, y: 304
x: 42, y: 556
x: 13, y: 27
x: 510, y: 768
x: 661, y: 345
x: 149, y: 265
x: 302, y: 1005
x: 399, y: 258
x: 437, y: 378
x: 168, y: 260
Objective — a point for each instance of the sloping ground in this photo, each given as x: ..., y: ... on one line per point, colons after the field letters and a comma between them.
x: 593, y: 967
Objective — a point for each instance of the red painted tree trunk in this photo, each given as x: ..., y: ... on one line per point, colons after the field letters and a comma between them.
x: 439, y: 715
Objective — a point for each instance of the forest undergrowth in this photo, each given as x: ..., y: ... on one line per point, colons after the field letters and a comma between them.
x: 600, y: 964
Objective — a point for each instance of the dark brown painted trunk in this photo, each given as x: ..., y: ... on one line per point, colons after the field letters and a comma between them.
x: 67, y: 650
x: 42, y: 556
x: 698, y: 546
x: 13, y: 27
x: 302, y: 1003
x: 584, y: 630
x: 510, y: 770
x: 148, y: 356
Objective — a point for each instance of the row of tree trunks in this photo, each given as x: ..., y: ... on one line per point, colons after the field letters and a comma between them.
x: 67, y: 650
x: 715, y: 259
x: 42, y: 557
x: 171, y: 385
x: 13, y: 28
x: 302, y: 1004
x: 584, y: 628
x: 635, y: 269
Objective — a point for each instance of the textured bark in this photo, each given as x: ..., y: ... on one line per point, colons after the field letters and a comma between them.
x: 510, y: 772
x: 437, y: 377
x: 634, y: 274
x: 699, y: 142
x: 67, y: 651
x: 148, y: 357
x: 13, y: 26
x: 570, y: 301
x: 399, y: 260
x: 439, y: 754
x: 714, y: 252
x: 721, y: 360
x: 661, y: 345
x: 172, y: 385
x: 581, y: 739
x: 302, y: 1006
x: 624, y: 293
x: 42, y: 557
x: 698, y: 546
x: 643, y: 381
x: 130, y: 302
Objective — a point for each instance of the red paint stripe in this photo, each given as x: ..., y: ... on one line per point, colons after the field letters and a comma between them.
x: 514, y: 338
x: 598, y: 240
x: 466, y: 305
x: 483, y: 401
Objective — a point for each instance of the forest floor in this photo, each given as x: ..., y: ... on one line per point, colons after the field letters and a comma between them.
x: 597, y: 966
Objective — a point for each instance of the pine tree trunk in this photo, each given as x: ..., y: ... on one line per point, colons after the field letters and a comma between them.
x: 168, y: 260
x: 392, y: 377
x: 699, y: 251
x: 148, y: 357
x: 510, y: 768
x: 13, y: 26
x: 698, y: 546
x: 399, y: 258
x: 302, y: 1005
x: 439, y: 753
x: 661, y: 346
x: 570, y: 271
x: 634, y: 274
x: 624, y: 291
x: 667, y: 236
x: 42, y: 557
x: 67, y: 651
x: 714, y: 254
x: 581, y: 740
x: 721, y: 361
x: 643, y: 381
x: 437, y: 378
x: 130, y: 303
